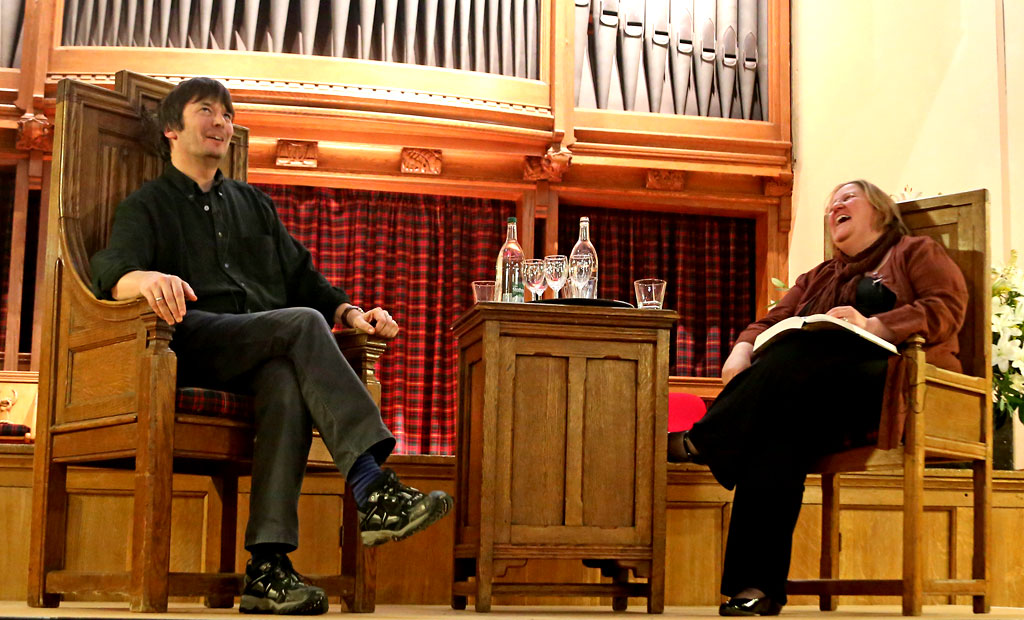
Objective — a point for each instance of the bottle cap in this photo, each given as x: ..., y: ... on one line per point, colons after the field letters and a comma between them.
x: 512, y: 220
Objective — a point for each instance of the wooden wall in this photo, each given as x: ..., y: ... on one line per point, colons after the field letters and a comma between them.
x: 418, y: 570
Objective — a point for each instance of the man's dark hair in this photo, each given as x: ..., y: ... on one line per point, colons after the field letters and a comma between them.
x: 169, y: 114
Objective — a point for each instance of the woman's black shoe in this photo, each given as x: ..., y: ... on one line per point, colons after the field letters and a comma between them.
x: 763, y: 606
x: 679, y: 450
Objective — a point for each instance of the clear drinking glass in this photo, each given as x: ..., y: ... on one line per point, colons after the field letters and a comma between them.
x: 556, y: 269
x: 533, y: 276
x: 581, y: 270
x: 650, y: 293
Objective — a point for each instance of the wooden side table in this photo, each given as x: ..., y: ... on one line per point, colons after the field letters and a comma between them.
x: 561, y: 448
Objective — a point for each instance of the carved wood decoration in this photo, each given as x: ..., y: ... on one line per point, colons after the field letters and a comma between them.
x: 421, y: 161
x: 297, y: 153
x: 781, y: 185
x: 550, y: 167
x: 35, y: 133
x: 672, y: 180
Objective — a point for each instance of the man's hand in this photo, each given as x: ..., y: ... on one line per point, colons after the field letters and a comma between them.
x: 376, y: 321
x: 165, y: 293
x: 737, y: 362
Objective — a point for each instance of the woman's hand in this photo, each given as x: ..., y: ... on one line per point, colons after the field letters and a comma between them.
x: 873, y: 325
x: 737, y: 362
x: 850, y: 315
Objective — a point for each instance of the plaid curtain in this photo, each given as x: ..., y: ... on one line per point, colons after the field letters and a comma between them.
x: 708, y: 263
x: 415, y: 256
x: 7, y: 181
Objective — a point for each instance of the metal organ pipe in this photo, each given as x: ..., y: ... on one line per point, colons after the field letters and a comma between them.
x: 748, y: 55
x: 656, y: 43
x: 727, y: 55
x: 705, y: 52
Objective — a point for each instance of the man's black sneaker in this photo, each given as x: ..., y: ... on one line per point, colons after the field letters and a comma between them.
x: 273, y: 587
x: 393, y: 511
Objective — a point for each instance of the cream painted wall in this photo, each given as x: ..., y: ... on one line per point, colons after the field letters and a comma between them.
x: 905, y: 93
x: 1014, y: 25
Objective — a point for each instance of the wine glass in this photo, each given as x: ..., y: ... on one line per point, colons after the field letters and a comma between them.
x: 556, y: 269
x: 533, y: 277
x: 581, y: 270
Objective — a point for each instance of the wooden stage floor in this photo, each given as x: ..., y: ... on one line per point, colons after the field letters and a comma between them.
x: 70, y: 611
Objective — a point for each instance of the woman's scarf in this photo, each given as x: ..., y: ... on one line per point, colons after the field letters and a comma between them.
x: 837, y: 280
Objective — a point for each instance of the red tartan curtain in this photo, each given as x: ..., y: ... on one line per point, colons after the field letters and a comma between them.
x: 7, y: 182
x: 707, y: 262
x: 415, y: 256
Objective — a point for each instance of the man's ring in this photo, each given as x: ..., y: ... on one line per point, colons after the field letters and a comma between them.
x: 157, y: 298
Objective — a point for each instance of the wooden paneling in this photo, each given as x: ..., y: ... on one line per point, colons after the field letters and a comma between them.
x: 419, y: 570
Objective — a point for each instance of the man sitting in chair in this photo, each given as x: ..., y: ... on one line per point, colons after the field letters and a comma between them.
x: 252, y: 314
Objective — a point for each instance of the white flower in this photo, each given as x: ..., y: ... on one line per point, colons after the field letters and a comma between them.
x: 1002, y: 354
x: 1017, y: 383
x: 1008, y: 336
x: 1006, y: 325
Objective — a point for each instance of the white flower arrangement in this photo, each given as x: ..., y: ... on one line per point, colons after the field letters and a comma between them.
x: 1008, y: 341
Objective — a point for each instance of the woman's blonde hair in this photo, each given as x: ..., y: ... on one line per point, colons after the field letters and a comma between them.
x: 888, y: 210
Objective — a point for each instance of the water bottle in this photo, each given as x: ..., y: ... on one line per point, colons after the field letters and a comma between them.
x: 583, y: 251
x: 508, y: 280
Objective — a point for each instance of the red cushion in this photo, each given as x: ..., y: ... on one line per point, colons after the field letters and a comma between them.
x: 683, y: 410
x: 213, y: 403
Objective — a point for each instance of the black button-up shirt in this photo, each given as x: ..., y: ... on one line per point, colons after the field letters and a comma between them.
x: 227, y: 243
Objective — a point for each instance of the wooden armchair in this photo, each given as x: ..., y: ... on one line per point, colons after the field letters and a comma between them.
x: 108, y: 397
x: 950, y: 421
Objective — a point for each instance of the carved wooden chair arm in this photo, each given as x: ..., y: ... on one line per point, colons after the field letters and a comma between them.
x: 362, y: 351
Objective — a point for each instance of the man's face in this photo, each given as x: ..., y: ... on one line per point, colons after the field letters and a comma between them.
x: 205, y: 133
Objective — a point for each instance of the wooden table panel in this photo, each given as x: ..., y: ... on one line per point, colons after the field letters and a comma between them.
x: 562, y: 415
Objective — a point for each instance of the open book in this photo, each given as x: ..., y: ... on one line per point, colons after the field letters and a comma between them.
x: 815, y: 322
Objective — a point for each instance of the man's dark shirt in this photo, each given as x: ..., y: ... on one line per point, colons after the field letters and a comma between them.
x: 228, y: 244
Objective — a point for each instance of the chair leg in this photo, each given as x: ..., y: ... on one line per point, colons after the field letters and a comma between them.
x: 829, y: 568
x: 982, y: 532
x: 151, y: 528
x: 357, y: 561
x: 913, y: 519
x: 49, y: 524
x: 221, y: 526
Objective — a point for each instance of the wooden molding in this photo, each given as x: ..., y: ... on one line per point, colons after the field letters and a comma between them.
x: 421, y: 161
x: 673, y: 180
x: 35, y: 133
x: 297, y: 154
x: 549, y: 167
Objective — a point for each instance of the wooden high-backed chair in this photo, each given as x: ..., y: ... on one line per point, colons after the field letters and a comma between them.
x: 950, y: 421
x: 107, y: 382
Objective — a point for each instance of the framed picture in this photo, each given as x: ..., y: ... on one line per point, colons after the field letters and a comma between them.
x: 18, y: 401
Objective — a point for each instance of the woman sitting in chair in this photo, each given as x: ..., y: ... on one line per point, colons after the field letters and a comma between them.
x: 812, y: 393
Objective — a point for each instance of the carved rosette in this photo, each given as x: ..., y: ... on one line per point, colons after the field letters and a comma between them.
x: 35, y: 133
x: 549, y: 167
x: 297, y: 154
x: 668, y: 180
x: 421, y: 161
